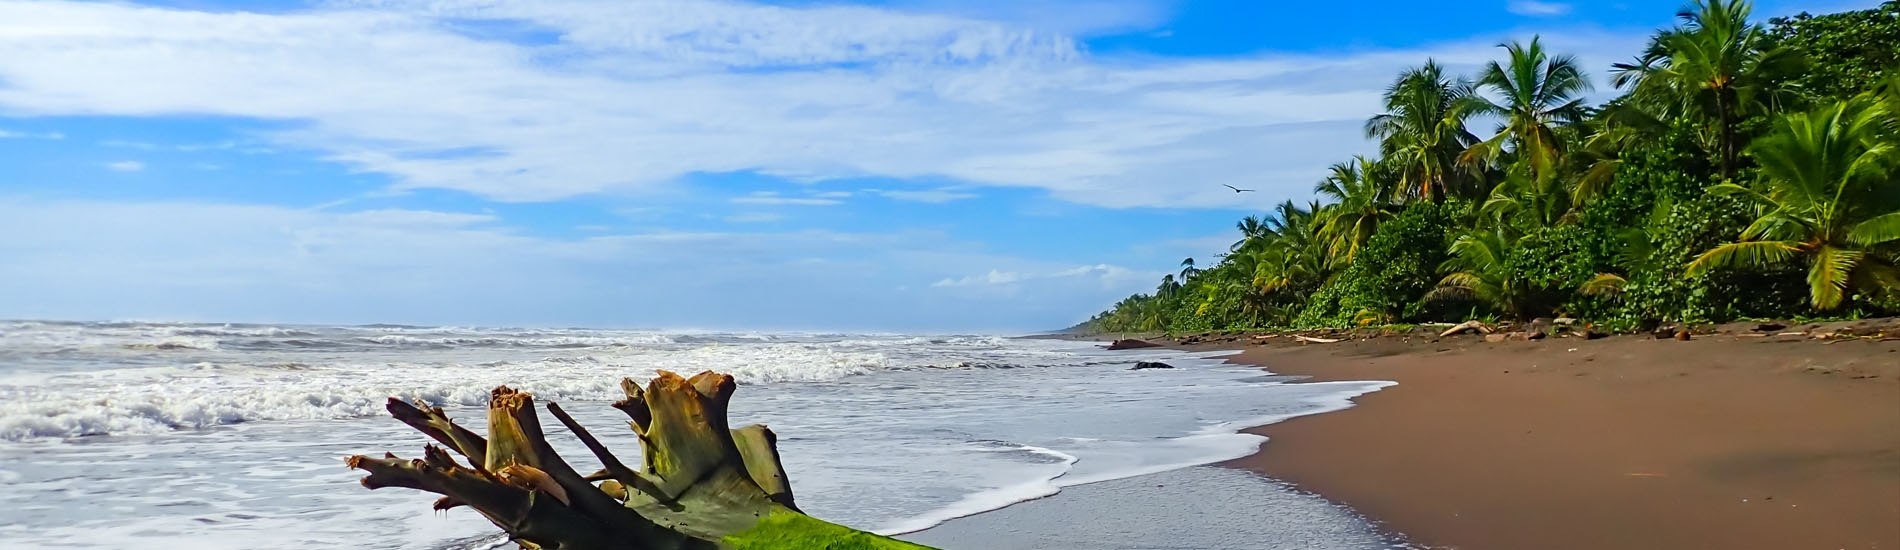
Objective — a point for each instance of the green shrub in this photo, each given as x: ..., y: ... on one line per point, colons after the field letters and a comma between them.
x: 1398, y: 265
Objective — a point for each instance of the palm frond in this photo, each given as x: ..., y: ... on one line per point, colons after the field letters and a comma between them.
x: 1604, y: 284
x: 1829, y: 277
x: 1752, y: 254
x: 1877, y: 230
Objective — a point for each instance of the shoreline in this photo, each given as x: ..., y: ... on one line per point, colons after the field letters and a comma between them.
x: 1729, y: 440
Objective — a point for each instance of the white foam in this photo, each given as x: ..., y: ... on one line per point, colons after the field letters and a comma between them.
x: 204, y: 395
x: 986, y: 500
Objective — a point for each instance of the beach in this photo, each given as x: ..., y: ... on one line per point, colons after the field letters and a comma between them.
x: 1731, y: 440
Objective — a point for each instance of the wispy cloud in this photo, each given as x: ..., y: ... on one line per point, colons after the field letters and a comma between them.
x: 8, y: 134
x: 771, y: 198
x: 754, y: 217
x: 847, y: 92
x: 125, y: 166
x: 1103, y: 272
x: 933, y: 196
x: 994, y: 277
x: 182, y: 147
x: 1535, y: 8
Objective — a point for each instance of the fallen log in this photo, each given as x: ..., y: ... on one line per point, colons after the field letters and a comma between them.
x: 701, y: 484
x: 1306, y: 339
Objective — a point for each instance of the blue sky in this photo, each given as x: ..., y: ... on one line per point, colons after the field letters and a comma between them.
x: 923, y: 165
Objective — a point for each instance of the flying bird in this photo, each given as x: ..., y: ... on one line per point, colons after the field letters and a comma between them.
x: 1236, y: 189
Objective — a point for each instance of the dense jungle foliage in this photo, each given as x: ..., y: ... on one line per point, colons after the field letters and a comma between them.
x: 1746, y: 170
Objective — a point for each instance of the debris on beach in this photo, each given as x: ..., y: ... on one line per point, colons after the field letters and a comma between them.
x: 702, y: 485
x: 1130, y: 343
x: 1467, y: 326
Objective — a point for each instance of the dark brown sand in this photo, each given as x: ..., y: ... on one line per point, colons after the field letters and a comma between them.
x: 1621, y: 443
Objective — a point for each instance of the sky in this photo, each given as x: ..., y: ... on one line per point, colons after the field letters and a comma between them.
x: 900, y: 166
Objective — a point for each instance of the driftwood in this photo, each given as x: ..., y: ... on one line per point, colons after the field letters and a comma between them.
x: 701, y: 485
x: 1467, y: 326
x: 1309, y: 339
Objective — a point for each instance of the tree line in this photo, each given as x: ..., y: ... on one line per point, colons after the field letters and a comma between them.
x: 1744, y: 170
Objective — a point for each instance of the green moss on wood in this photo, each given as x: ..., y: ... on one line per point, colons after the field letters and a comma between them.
x: 788, y: 530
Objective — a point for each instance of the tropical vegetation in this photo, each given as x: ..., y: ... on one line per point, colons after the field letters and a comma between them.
x: 1742, y: 169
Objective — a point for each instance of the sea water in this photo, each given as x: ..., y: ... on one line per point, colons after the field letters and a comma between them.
x: 214, y: 436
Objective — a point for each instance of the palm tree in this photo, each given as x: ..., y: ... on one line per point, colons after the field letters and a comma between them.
x: 1188, y: 272
x: 1363, y: 197
x: 1423, y: 129
x: 1479, y: 271
x: 1829, y: 196
x: 1296, y: 255
x: 1538, y: 93
x: 1252, y: 230
x: 1716, y: 64
x: 1616, y: 127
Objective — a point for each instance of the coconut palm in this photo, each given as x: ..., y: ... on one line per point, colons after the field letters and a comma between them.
x: 1252, y: 230
x: 1829, y: 196
x: 1537, y: 92
x: 1616, y: 127
x: 1479, y: 271
x: 1423, y: 129
x: 1296, y: 255
x: 1714, y: 64
x: 1363, y: 197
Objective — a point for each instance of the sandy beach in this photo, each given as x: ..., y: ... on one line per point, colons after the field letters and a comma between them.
x: 1726, y: 441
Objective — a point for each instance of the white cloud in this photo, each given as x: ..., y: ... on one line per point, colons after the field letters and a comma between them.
x: 8, y: 134
x: 634, y: 95
x: 238, y: 262
x: 1102, y: 272
x: 833, y: 194
x: 126, y: 166
x: 994, y: 277
x: 771, y: 198
x: 933, y: 196
x: 182, y: 147
x: 1535, y: 8
x: 754, y: 217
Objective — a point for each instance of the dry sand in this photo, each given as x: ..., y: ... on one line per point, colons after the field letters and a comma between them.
x: 1620, y: 443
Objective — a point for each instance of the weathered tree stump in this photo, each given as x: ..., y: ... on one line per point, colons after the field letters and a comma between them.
x: 702, y: 485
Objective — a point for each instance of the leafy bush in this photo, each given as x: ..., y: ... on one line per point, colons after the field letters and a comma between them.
x: 1399, y: 264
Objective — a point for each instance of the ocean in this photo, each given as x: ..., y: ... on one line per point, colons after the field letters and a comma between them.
x: 213, y: 436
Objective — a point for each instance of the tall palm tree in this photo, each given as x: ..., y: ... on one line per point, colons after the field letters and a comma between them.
x: 1188, y: 272
x: 1715, y: 64
x: 1537, y: 92
x: 1828, y: 190
x: 1423, y: 129
x: 1362, y: 198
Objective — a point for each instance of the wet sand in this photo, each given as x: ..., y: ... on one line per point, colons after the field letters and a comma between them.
x: 1626, y: 442
x: 1196, y: 508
